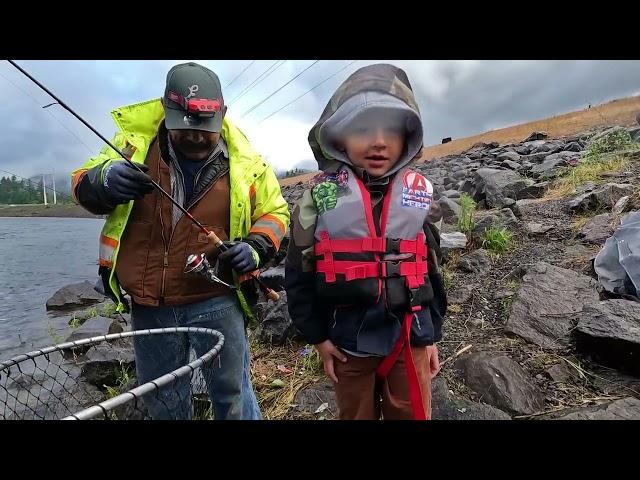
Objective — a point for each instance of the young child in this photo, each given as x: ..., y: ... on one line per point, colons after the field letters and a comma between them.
x: 362, y: 277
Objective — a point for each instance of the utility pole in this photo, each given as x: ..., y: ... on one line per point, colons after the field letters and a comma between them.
x: 44, y: 190
x: 53, y: 176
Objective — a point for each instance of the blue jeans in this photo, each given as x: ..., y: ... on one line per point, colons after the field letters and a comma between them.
x: 227, y: 376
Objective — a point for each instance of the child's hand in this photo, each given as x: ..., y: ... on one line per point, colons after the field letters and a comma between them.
x: 434, y: 361
x: 327, y: 351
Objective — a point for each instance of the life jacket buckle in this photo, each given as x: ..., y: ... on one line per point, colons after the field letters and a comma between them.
x: 393, y: 245
x: 389, y: 269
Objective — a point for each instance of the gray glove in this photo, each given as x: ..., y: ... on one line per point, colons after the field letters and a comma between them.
x: 239, y: 256
x: 123, y: 183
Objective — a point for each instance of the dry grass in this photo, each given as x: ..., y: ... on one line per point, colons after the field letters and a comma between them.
x: 277, y: 388
x: 448, y: 277
x: 448, y: 270
x: 586, y: 171
x: 616, y: 112
x: 454, y: 308
x: 607, y: 155
x: 454, y: 258
x: 581, y: 261
x: 514, y: 285
x: 581, y: 221
x: 634, y: 200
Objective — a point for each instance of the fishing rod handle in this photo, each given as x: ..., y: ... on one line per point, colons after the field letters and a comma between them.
x: 271, y: 294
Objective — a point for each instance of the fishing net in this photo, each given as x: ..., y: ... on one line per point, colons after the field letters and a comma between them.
x: 95, y: 378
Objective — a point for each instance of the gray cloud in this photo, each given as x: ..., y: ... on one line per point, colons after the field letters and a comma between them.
x: 456, y: 98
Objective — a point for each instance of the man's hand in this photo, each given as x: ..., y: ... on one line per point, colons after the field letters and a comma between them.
x: 239, y: 256
x: 123, y: 183
x: 327, y: 351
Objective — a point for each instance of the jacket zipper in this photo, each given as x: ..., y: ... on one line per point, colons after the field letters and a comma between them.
x: 165, y: 262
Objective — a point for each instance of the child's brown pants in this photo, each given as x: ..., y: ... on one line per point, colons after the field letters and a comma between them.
x: 362, y: 396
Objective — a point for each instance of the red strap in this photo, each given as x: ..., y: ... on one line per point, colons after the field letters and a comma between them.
x: 417, y: 246
x: 328, y: 264
x: 408, y: 246
x: 421, y: 246
x: 386, y: 204
x: 356, y: 245
x: 413, y: 272
x: 413, y: 268
x: 415, y: 391
x: 374, y: 244
x: 368, y: 244
x: 366, y: 204
x: 414, y: 282
x: 353, y: 270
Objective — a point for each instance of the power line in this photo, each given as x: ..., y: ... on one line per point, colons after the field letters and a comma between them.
x: 272, y: 68
x: 260, y: 78
x: 308, y: 91
x: 43, y: 185
x: 238, y: 76
x: 50, y: 113
x: 272, y: 94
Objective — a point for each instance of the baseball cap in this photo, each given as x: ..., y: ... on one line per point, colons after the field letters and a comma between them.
x: 193, y: 99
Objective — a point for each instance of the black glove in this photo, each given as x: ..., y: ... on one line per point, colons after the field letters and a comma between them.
x: 123, y: 183
x: 239, y: 256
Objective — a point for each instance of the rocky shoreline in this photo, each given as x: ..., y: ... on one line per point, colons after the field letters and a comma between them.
x: 529, y: 334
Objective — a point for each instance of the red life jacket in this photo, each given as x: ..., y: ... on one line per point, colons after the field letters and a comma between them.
x: 355, y: 265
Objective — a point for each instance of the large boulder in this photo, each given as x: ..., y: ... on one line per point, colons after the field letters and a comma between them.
x: 623, y: 409
x: 495, y: 185
x: 450, y: 242
x: 74, y: 296
x: 598, y: 228
x: 605, y: 196
x: 475, y: 262
x: 276, y: 326
x: 318, y: 400
x: 536, y: 136
x: 609, y: 332
x: 501, y: 382
x: 450, y: 210
x: 549, y: 303
x: 553, y: 164
x: 95, y: 327
x: 503, y: 218
x: 444, y: 407
x: 106, y: 364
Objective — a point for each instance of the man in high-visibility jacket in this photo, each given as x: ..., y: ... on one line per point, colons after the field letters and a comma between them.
x: 186, y: 144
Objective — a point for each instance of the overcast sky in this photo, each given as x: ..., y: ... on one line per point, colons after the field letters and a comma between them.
x: 456, y: 98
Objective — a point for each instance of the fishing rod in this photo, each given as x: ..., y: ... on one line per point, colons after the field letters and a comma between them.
x: 216, y: 240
